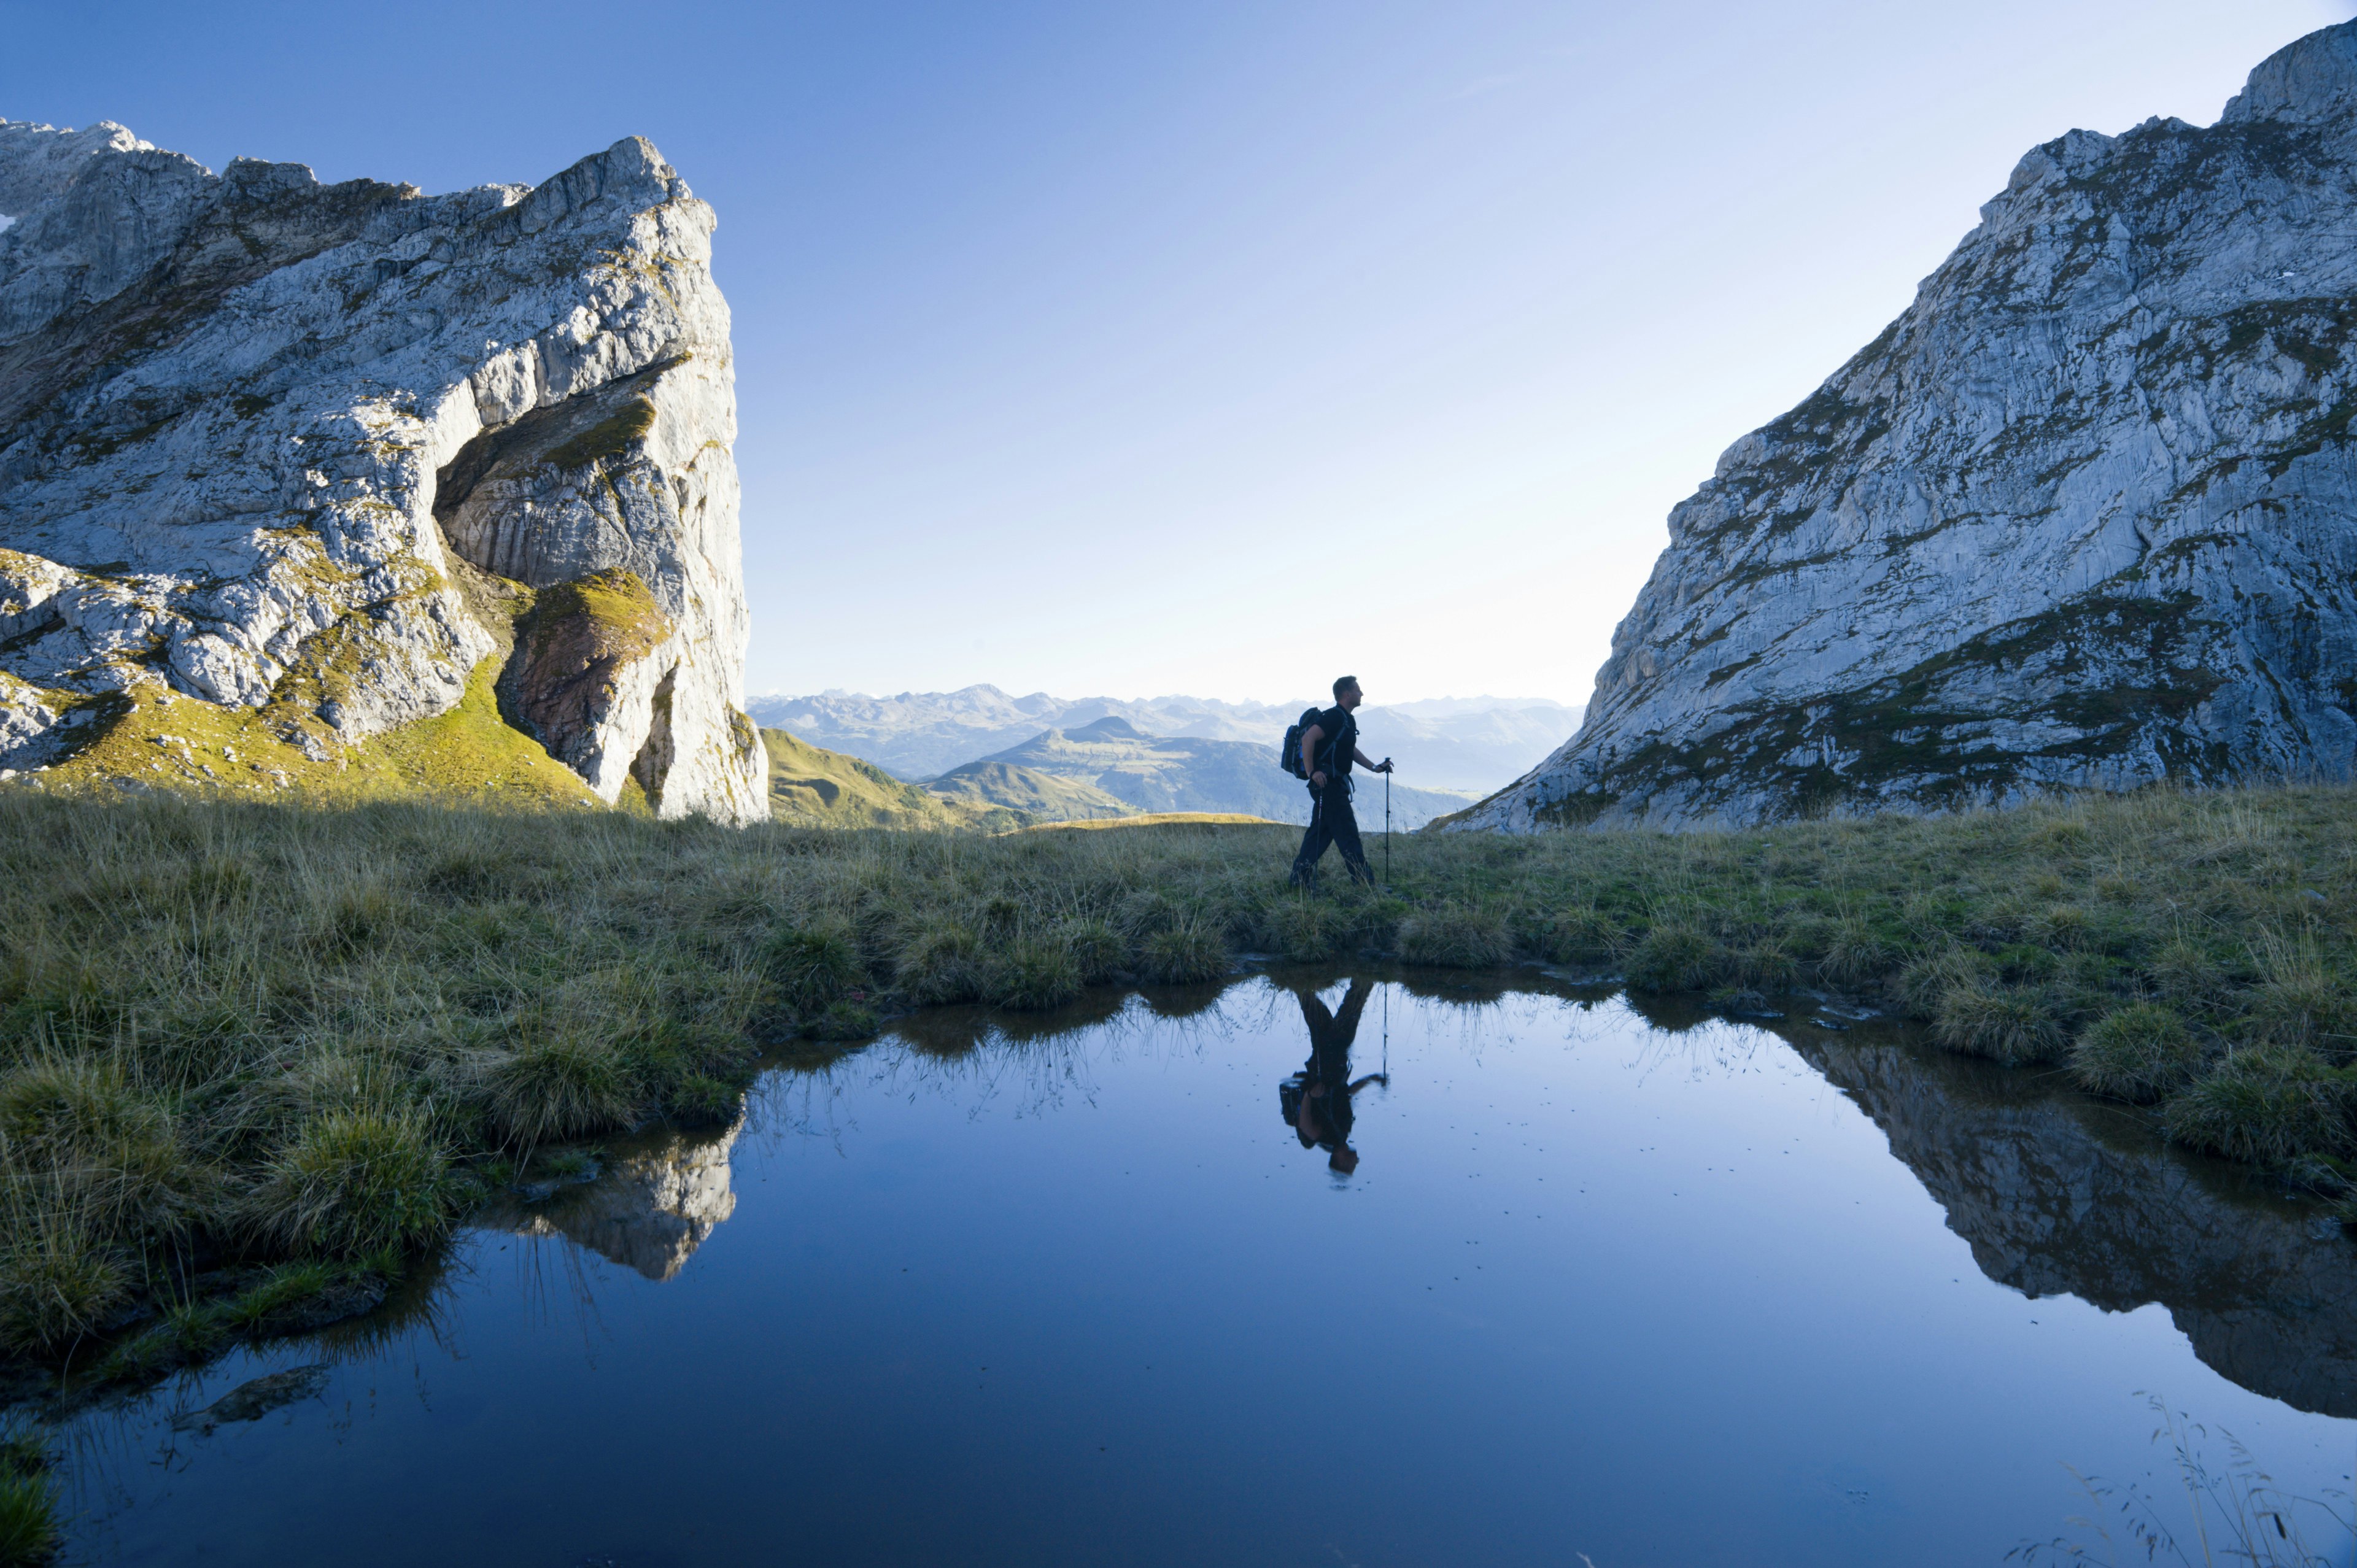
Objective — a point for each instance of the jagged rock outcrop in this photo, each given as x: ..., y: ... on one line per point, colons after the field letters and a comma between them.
x: 2081, y: 516
x: 259, y: 436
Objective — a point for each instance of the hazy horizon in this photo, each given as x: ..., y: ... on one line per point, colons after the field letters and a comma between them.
x: 786, y: 693
x: 1214, y: 351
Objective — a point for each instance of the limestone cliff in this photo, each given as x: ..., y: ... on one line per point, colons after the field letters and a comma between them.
x: 303, y: 453
x: 2081, y: 516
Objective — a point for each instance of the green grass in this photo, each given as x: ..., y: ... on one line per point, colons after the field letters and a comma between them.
x: 243, y: 1034
x: 2011, y: 1024
x: 1163, y: 819
x: 468, y: 754
x: 1029, y: 794
x: 2140, y: 1052
x: 260, y: 1304
x: 811, y: 786
x: 28, y: 1516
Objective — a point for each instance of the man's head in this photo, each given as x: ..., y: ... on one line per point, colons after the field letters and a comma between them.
x: 1346, y: 692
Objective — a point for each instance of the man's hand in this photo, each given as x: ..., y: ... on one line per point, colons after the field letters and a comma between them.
x: 1385, y: 767
x: 1318, y: 779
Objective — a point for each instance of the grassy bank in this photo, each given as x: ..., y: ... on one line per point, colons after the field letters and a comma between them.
x: 250, y: 1053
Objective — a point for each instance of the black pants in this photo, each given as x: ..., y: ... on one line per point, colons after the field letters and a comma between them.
x: 1331, y: 820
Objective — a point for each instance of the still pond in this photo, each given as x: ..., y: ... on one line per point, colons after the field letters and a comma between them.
x: 1305, y: 1270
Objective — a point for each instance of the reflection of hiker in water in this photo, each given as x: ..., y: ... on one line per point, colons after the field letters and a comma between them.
x: 1316, y: 1100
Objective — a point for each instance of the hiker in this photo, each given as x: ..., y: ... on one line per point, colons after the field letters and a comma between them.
x: 1329, y: 744
x: 1316, y: 1100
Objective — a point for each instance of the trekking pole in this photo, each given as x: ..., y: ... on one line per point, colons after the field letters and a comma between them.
x: 1387, y: 829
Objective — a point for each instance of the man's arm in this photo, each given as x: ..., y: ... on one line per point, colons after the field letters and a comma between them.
x: 1310, y: 739
x: 1370, y: 764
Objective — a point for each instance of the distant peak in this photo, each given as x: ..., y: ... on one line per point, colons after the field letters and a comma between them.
x: 2308, y: 80
x: 1110, y: 728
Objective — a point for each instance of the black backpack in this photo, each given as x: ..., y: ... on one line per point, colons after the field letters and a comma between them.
x: 1289, y: 756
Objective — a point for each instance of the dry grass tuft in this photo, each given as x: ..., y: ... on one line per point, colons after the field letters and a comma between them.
x: 354, y: 1182
x: 2140, y: 1053
x: 565, y: 1085
x: 2278, y: 1106
x: 1456, y: 936
x: 2005, y: 1023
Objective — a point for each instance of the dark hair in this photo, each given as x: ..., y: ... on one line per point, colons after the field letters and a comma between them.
x: 1340, y: 684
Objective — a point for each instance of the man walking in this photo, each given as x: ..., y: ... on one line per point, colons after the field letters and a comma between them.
x: 1329, y: 746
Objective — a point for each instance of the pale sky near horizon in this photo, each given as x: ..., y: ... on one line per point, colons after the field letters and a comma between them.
x: 1214, y: 348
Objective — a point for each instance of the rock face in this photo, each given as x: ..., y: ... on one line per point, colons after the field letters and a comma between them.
x: 2081, y: 516
x: 260, y: 437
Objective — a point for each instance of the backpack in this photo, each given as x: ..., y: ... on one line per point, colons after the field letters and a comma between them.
x: 1289, y: 756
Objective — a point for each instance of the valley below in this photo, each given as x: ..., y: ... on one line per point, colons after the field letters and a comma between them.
x: 980, y: 751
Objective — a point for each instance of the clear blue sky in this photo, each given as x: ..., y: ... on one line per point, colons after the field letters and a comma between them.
x: 1209, y: 347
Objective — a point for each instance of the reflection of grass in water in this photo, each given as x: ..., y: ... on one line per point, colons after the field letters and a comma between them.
x: 2235, y: 1515
x: 28, y: 1512
x: 1024, y: 1065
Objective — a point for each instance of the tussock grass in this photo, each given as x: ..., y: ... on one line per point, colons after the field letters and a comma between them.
x: 1675, y: 955
x: 63, y: 1275
x: 2008, y: 1024
x: 2274, y: 1105
x: 1185, y: 952
x: 1454, y: 936
x: 248, y: 1034
x: 29, y: 1518
x: 2141, y: 1052
x: 357, y: 1180
x: 813, y: 965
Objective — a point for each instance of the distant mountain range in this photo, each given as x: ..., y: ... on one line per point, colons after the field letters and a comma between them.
x: 1110, y: 768
x: 1471, y: 744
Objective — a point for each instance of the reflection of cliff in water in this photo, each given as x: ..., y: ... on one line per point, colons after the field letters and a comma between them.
x: 2058, y: 1193
x: 649, y: 1208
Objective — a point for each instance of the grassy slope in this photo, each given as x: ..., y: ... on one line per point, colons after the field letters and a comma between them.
x: 814, y: 788
x: 468, y: 754
x: 1045, y: 796
x: 471, y: 754
x: 1166, y: 820
x: 238, y: 1030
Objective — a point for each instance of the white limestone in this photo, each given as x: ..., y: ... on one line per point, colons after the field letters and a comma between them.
x: 229, y: 403
x: 2084, y: 515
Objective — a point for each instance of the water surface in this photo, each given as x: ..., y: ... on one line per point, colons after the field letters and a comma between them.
x: 1094, y: 1290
